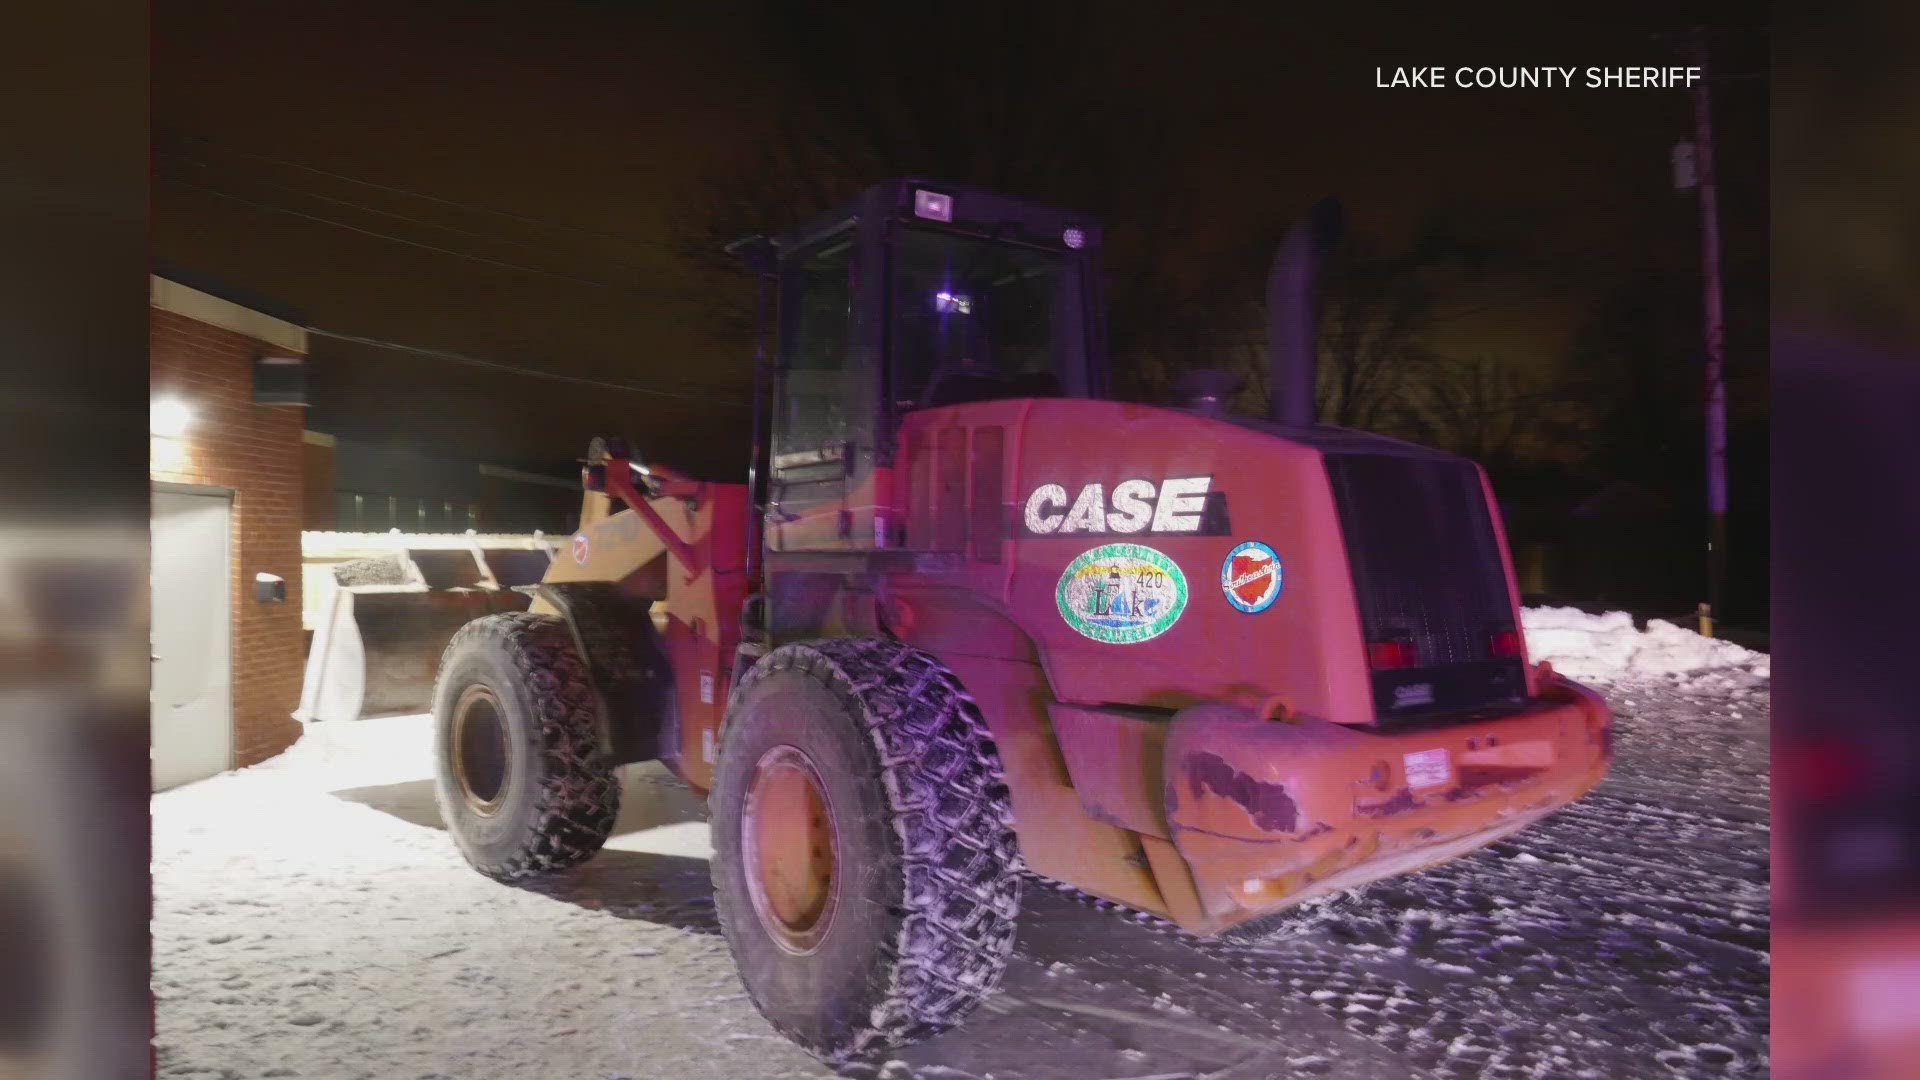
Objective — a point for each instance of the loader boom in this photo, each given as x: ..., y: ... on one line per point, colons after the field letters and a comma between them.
x: 652, y: 586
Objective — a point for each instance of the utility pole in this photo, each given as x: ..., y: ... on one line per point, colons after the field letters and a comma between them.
x: 1715, y: 334
x: 1716, y: 389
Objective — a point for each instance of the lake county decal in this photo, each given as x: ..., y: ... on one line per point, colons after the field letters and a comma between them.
x: 1122, y: 593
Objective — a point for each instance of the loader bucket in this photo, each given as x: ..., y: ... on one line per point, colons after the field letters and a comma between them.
x: 511, y: 567
x: 377, y: 648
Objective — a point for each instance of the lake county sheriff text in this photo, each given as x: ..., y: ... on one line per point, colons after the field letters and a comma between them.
x: 1508, y: 78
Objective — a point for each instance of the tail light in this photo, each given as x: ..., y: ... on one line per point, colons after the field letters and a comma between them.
x: 1390, y: 655
x: 1504, y: 643
x: 1820, y: 772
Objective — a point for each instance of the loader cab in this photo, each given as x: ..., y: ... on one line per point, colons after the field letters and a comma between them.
x: 916, y: 295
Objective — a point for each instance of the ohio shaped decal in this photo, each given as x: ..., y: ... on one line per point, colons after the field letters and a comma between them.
x: 1122, y: 593
x: 1251, y: 577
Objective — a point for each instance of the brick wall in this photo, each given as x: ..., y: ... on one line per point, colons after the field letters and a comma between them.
x: 255, y: 451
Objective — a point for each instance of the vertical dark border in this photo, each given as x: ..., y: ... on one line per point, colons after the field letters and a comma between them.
x: 1845, y: 350
x: 74, y: 773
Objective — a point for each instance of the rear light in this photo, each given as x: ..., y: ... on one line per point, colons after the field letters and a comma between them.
x: 1821, y: 773
x: 1389, y: 655
x: 1504, y: 643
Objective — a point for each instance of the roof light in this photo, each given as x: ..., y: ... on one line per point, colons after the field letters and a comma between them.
x: 932, y: 205
x: 1074, y: 239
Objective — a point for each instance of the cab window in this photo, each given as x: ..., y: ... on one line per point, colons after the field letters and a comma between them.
x: 972, y: 319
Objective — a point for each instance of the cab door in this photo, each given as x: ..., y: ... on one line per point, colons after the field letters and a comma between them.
x: 820, y: 475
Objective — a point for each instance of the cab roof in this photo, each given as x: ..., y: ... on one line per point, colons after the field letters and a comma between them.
x: 959, y: 206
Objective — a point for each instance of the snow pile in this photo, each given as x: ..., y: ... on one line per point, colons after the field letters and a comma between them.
x: 1609, y: 648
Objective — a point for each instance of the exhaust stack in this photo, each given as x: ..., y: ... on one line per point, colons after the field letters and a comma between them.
x: 1293, y: 312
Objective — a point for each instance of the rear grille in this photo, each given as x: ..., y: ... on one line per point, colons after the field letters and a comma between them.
x: 1426, y: 569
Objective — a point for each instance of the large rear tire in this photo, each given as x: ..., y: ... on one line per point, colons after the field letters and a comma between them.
x: 865, y: 869
x: 513, y: 735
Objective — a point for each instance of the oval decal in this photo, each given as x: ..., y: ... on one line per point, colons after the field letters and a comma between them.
x: 1251, y: 577
x: 1121, y: 593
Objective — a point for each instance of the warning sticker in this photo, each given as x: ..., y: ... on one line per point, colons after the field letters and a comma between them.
x: 1427, y: 768
x: 581, y: 549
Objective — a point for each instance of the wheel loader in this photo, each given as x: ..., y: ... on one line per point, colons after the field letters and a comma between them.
x: 970, y: 618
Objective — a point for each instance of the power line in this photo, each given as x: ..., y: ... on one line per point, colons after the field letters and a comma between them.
x: 380, y: 235
x: 514, y: 369
x: 523, y: 268
x: 454, y: 229
x: 471, y: 207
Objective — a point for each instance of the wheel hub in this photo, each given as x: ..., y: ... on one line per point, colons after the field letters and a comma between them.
x: 791, y: 860
x: 479, y: 746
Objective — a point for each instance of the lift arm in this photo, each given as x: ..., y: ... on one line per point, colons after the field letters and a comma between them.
x: 619, y: 483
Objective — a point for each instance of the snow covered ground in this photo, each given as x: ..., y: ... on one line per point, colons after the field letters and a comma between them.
x: 312, y: 920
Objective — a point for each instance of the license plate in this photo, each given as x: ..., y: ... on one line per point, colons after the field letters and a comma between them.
x: 1427, y: 768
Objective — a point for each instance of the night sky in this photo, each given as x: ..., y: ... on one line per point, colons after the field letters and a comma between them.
x: 554, y: 146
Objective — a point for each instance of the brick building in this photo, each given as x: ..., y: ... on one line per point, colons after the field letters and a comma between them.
x: 227, y: 505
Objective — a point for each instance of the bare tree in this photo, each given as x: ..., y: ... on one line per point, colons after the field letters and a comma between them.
x: 1374, y: 311
x: 1052, y: 118
x: 1488, y: 409
x: 1371, y: 356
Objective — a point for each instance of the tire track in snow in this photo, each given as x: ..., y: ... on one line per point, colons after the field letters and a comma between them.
x: 1625, y: 935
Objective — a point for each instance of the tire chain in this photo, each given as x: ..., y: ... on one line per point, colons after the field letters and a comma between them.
x: 953, y: 820
x: 576, y: 803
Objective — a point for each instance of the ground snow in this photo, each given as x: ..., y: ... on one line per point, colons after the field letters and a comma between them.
x: 308, y: 924
x: 1609, y: 648
x: 312, y: 919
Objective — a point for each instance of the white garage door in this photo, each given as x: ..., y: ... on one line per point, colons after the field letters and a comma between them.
x: 192, y: 674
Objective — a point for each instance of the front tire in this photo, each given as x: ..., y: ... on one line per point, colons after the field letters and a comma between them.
x: 513, y: 737
x: 865, y: 869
